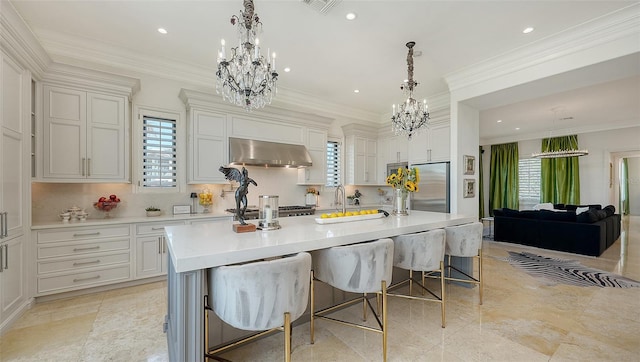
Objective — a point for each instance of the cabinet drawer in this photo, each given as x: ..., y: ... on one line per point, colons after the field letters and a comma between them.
x: 82, y: 263
x: 155, y: 227
x: 83, y: 279
x: 50, y: 236
x: 70, y: 249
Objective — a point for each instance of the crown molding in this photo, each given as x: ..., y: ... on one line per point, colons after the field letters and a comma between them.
x: 621, y: 25
x: 65, y: 75
x: 19, y: 41
x: 214, y: 102
x: 608, y: 126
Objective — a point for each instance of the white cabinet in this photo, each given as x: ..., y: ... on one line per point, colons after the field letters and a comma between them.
x: 151, y: 249
x: 361, y: 161
x: 391, y: 149
x: 75, y: 258
x: 317, y: 146
x: 207, y: 147
x: 430, y: 146
x: 15, y: 92
x: 84, y: 136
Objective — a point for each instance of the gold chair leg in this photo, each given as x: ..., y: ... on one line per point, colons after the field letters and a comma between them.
x: 384, y: 321
x: 410, y: 282
x: 311, y: 322
x: 442, y: 292
x: 364, y: 307
x: 287, y: 337
x: 480, y: 278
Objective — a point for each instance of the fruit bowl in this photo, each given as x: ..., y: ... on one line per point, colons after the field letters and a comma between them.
x: 105, y: 205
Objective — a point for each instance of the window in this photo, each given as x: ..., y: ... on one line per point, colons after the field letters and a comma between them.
x: 158, y: 153
x: 529, y: 182
x: 333, y: 163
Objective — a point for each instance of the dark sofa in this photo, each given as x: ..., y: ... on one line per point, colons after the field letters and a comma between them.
x: 589, y: 233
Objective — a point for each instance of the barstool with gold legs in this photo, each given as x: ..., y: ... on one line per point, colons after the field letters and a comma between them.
x: 261, y: 296
x: 465, y: 241
x: 359, y: 268
x: 423, y: 252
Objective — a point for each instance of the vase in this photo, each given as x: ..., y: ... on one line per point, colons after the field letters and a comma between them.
x: 400, y: 202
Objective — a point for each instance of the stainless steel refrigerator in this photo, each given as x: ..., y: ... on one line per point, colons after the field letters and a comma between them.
x: 433, y: 189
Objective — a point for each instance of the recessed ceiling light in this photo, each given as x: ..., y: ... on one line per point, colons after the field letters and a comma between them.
x: 499, y: 121
x: 527, y: 30
x: 287, y: 70
x: 162, y: 30
x: 356, y: 91
x: 517, y: 128
x: 351, y: 16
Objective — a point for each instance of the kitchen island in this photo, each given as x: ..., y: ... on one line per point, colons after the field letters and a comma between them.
x: 195, y: 248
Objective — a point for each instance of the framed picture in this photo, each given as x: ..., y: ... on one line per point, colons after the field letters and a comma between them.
x: 469, y: 187
x: 469, y: 165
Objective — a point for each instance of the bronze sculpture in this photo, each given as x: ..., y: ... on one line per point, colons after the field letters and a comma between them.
x: 242, y: 177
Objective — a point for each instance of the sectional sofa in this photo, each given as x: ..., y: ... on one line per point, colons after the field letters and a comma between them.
x: 590, y: 231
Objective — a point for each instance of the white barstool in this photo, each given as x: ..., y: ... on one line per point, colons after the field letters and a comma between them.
x: 260, y: 296
x: 359, y: 268
x: 465, y: 241
x: 423, y: 252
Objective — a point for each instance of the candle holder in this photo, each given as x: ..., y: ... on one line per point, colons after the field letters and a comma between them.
x: 268, y: 213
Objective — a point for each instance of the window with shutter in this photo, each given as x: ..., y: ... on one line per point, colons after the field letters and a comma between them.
x: 158, y: 153
x: 529, y: 182
x: 333, y: 164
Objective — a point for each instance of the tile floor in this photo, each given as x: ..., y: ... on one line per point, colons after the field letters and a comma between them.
x: 522, y: 319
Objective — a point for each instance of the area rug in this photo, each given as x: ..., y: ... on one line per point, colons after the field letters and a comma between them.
x: 569, y: 272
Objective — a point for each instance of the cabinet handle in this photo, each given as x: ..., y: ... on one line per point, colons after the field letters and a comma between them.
x: 82, y: 166
x: 398, y: 156
x: 1, y: 254
x: 4, y: 227
x: 160, y: 228
x: 85, y: 279
x: 86, y: 234
x: 6, y: 256
x: 97, y: 261
x: 85, y: 249
x: 6, y: 224
x: 88, y: 166
x: 366, y: 177
x: 164, y: 245
x: 159, y: 244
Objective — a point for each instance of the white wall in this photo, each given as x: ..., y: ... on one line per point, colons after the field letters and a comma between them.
x: 594, y: 168
x: 634, y: 185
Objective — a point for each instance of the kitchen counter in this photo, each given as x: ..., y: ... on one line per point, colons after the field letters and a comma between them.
x: 48, y: 224
x: 195, y: 248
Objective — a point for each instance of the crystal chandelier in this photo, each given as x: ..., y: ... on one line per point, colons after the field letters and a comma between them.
x: 246, y: 79
x: 570, y: 152
x: 411, y: 116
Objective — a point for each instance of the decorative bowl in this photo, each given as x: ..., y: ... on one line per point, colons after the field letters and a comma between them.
x: 105, y: 206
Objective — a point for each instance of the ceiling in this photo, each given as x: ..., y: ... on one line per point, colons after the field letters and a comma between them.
x: 330, y: 56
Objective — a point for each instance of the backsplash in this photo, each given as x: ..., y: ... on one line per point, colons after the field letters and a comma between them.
x: 49, y: 199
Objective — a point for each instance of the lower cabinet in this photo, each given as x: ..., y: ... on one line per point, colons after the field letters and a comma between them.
x: 151, y: 249
x: 12, y: 277
x: 75, y: 258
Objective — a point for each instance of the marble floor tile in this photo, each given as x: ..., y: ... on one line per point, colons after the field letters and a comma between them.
x: 522, y: 318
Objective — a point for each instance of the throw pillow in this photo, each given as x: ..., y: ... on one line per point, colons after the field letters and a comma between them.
x: 580, y: 210
x: 587, y: 217
x: 544, y: 206
x: 610, y: 210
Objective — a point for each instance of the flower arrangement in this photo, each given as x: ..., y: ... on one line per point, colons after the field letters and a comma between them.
x: 405, y: 179
x: 311, y: 190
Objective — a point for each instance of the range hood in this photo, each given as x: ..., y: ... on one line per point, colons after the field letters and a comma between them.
x: 270, y: 154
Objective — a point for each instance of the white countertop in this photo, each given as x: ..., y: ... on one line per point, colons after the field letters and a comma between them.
x: 194, y: 247
x: 49, y: 224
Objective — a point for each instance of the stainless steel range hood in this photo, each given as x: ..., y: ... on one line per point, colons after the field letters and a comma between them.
x: 270, y: 154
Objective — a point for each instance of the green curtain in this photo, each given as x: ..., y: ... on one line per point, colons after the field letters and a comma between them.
x: 624, y: 190
x: 560, y: 177
x: 503, y: 183
x: 480, y: 185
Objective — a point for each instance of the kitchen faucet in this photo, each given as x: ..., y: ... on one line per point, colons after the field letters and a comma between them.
x: 341, y: 200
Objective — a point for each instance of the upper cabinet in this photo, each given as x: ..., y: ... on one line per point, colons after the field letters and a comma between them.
x: 207, y: 146
x: 316, y: 144
x: 431, y: 146
x: 361, y: 158
x: 85, y: 133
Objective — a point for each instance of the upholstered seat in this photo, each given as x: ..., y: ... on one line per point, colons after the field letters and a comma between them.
x: 359, y: 268
x: 423, y: 252
x: 261, y: 295
x: 465, y: 241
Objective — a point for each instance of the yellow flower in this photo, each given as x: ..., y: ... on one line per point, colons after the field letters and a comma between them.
x: 417, y: 172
